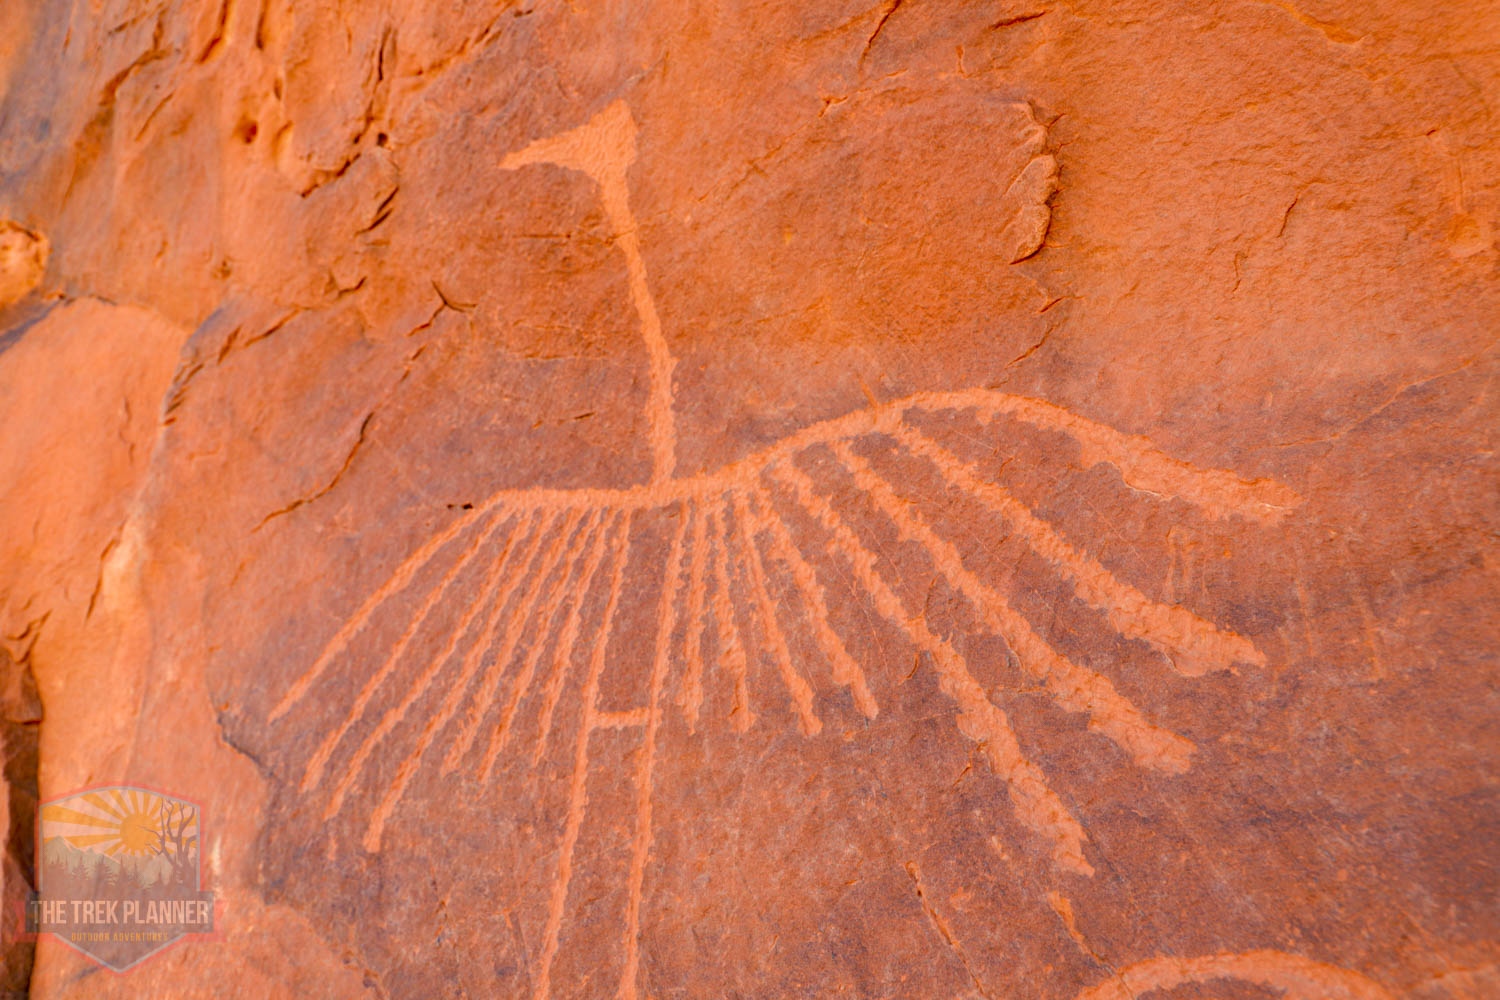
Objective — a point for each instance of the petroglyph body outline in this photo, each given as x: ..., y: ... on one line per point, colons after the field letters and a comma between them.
x: 728, y: 519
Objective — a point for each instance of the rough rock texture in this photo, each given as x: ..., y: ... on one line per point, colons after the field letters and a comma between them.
x: 20, y: 712
x: 661, y: 499
x: 23, y: 259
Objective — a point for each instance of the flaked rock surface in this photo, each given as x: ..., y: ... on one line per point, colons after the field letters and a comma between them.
x: 672, y: 500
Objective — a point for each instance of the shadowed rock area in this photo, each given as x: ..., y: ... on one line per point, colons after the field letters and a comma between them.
x: 670, y: 500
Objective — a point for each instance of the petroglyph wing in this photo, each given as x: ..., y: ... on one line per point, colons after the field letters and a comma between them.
x: 751, y: 551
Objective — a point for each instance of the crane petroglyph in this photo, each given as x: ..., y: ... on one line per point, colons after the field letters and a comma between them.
x: 780, y: 513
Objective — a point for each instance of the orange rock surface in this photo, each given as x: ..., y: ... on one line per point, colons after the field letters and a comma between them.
x: 655, y: 500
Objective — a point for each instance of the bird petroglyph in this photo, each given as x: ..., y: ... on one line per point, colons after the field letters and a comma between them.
x: 541, y: 555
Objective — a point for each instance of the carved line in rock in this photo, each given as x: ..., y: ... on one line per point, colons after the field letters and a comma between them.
x: 845, y: 670
x: 544, y: 616
x: 1037, y: 806
x: 740, y: 715
x: 797, y: 687
x: 604, y: 148
x: 641, y: 848
x: 578, y: 791
x: 1072, y: 687
x: 1295, y: 977
x: 540, y: 553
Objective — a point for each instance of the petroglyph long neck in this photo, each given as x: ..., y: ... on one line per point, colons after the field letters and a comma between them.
x: 604, y: 148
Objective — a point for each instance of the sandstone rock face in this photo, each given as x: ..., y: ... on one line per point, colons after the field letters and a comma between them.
x: 23, y: 258
x: 20, y: 713
x: 765, y: 500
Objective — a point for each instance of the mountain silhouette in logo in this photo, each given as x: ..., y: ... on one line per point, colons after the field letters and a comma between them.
x: 69, y: 872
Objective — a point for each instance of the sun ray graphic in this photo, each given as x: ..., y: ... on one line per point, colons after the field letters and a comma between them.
x: 115, y: 820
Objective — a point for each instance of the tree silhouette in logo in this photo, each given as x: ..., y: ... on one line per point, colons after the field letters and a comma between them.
x: 177, y: 841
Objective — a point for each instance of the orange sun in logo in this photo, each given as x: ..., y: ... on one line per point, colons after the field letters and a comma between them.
x: 116, y: 820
